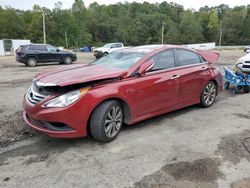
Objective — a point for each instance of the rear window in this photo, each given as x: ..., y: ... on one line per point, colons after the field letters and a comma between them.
x: 37, y: 48
x: 186, y: 57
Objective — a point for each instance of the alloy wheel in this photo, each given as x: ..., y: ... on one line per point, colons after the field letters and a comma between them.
x: 209, y: 93
x: 68, y: 60
x: 32, y: 62
x: 113, y: 121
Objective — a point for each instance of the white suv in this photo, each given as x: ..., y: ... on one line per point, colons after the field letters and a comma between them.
x: 107, y: 48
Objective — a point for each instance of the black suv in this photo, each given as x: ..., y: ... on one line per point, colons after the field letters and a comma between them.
x: 32, y: 54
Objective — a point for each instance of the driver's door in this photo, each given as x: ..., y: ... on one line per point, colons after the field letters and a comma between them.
x: 156, y: 90
x: 53, y: 54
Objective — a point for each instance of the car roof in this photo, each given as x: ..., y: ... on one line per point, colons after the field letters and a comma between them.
x: 153, y: 47
x: 115, y: 43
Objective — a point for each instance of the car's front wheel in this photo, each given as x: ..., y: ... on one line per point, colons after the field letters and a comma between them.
x: 31, y: 62
x: 67, y: 60
x: 106, y: 121
x: 208, y: 94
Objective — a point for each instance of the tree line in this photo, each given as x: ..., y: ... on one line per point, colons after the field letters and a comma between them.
x: 130, y: 23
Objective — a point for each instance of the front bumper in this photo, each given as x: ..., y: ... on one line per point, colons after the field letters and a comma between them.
x: 74, y: 57
x: 36, y: 124
x: 68, y: 122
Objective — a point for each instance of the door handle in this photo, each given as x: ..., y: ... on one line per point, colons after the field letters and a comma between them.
x: 203, y: 68
x: 174, y: 77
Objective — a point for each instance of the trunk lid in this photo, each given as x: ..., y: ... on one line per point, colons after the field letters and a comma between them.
x: 211, y: 57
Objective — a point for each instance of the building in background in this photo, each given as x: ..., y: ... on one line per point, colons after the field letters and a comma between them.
x: 9, y: 46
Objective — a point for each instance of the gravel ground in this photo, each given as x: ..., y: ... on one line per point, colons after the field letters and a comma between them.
x: 192, y: 147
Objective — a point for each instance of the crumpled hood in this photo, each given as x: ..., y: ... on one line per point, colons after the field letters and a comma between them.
x: 78, y: 73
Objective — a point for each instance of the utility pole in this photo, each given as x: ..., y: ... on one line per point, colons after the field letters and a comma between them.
x: 66, y: 40
x: 162, y: 32
x: 44, y: 30
x: 220, y: 37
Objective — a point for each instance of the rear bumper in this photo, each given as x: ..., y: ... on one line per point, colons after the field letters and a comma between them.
x: 220, y: 83
x: 20, y: 59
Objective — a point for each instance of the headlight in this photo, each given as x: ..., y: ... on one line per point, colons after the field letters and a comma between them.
x: 66, y: 99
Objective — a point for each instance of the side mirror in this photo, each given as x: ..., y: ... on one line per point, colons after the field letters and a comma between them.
x: 145, y: 67
x: 57, y: 50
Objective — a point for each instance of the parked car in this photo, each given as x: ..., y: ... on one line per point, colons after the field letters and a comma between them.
x: 126, y: 86
x: 33, y: 54
x: 243, y: 63
x: 86, y: 49
x: 107, y: 48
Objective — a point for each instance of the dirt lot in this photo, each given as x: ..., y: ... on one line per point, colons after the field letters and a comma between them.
x: 192, y: 147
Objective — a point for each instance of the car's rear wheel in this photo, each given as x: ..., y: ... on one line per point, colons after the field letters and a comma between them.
x: 106, y: 121
x: 67, y: 60
x: 208, y: 94
x: 31, y: 62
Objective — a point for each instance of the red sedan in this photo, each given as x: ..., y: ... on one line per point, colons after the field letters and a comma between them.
x: 126, y: 86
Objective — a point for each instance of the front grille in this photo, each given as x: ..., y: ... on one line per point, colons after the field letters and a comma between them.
x: 246, y: 66
x: 33, y: 96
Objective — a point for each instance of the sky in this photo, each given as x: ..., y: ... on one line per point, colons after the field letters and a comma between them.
x: 195, y: 4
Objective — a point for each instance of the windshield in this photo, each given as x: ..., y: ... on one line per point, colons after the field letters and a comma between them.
x: 120, y: 59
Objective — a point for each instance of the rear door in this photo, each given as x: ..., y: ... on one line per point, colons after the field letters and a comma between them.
x: 156, y: 90
x: 39, y: 51
x: 193, y: 74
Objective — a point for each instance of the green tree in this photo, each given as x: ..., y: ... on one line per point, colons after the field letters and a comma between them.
x: 233, y: 25
x: 190, y: 28
x: 213, y: 27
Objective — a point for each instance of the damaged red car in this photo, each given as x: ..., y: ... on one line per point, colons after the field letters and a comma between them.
x: 124, y: 87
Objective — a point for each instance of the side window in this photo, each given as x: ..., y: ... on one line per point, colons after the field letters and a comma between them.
x: 118, y: 45
x: 163, y: 60
x: 51, y: 48
x: 113, y: 46
x: 42, y: 48
x: 37, y: 48
x: 186, y: 57
x: 31, y: 48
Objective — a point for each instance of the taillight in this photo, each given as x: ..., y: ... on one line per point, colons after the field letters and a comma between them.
x: 18, y: 50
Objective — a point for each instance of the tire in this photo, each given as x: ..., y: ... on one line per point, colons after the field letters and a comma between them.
x: 226, y: 85
x: 106, y: 121
x: 67, y: 60
x: 234, y: 90
x: 246, y: 89
x: 208, y: 94
x: 105, y: 54
x: 31, y: 62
